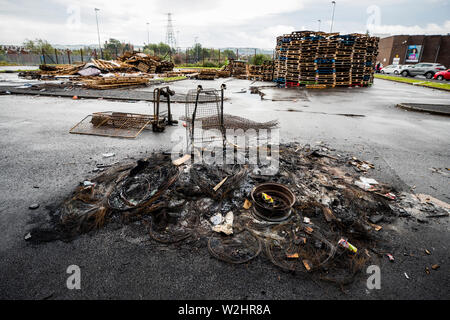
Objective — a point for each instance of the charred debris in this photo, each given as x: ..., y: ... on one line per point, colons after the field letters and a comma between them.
x: 301, y: 219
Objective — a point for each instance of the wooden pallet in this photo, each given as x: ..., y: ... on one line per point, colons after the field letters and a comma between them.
x: 354, y: 56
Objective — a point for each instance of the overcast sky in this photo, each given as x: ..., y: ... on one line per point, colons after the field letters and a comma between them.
x: 216, y: 23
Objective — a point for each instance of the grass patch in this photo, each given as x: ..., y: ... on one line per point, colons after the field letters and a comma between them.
x: 18, y: 70
x: 174, y: 78
x: 5, y: 63
x: 416, y: 82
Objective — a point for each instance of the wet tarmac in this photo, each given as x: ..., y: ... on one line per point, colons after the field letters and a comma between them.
x: 42, y: 163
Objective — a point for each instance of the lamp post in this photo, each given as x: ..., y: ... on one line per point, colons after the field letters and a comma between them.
x: 319, y: 23
x: 148, y: 33
x: 332, y: 17
x: 98, y: 33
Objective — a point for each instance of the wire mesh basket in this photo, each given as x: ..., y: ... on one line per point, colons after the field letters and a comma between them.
x: 204, y: 115
x: 113, y: 124
x: 207, y: 124
x: 126, y: 124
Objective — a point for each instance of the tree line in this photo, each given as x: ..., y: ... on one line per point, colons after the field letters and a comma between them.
x: 196, y: 55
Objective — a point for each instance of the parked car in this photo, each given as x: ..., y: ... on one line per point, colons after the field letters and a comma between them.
x: 422, y: 69
x: 395, y: 69
x: 443, y: 75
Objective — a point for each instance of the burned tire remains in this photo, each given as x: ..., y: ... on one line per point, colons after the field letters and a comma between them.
x: 283, y: 200
x: 240, y: 248
x: 328, y: 199
x: 299, y: 251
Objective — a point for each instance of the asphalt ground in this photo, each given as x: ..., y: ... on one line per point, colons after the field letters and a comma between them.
x: 120, y: 261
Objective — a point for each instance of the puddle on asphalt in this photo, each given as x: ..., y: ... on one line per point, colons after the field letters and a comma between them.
x: 284, y: 94
x: 351, y: 115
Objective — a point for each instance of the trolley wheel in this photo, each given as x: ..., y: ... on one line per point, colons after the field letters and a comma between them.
x: 157, y: 128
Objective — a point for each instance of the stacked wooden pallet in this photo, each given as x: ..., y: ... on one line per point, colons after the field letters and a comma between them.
x: 319, y: 59
x: 280, y: 66
x: 293, y: 56
x: 211, y: 74
x: 207, y: 74
x: 223, y: 74
x: 236, y: 68
x: 239, y: 68
x: 371, y: 58
x: 262, y: 72
x: 267, y: 71
x: 359, y: 60
x: 325, y: 61
x: 255, y: 73
x: 309, y: 43
x: 343, y: 63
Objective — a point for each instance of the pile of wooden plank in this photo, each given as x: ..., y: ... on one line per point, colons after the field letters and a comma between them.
x: 114, y: 82
x: 211, y: 74
x: 129, y: 62
x: 145, y: 63
x: 112, y: 66
x: 324, y: 60
x: 223, y: 74
x: 62, y: 69
x: 207, y: 74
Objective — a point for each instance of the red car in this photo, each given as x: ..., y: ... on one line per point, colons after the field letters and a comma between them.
x: 442, y: 75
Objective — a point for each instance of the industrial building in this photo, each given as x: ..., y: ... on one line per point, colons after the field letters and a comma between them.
x: 411, y: 49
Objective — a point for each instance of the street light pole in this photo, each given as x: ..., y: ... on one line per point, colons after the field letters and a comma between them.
x: 332, y: 17
x: 148, y: 34
x: 98, y: 33
x: 319, y: 23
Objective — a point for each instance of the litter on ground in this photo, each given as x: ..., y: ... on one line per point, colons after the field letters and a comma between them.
x: 178, y: 204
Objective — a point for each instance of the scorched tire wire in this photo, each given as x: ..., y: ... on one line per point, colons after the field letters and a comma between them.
x: 239, y: 251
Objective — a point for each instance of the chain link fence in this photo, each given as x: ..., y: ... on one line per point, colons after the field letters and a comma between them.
x: 55, y: 57
x: 181, y: 56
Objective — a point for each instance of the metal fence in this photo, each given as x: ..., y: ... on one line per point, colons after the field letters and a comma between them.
x: 190, y: 55
x: 21, y: 59
x: 56, y: 57
x: 180, y: 56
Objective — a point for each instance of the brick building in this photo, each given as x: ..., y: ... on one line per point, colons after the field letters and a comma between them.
x: 414, y: 49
